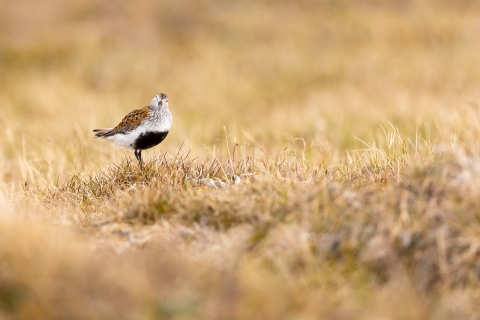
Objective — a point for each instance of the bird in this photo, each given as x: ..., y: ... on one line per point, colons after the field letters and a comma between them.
x: 141, y: 128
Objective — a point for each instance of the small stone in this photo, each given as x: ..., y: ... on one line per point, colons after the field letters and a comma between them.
x: 220, y: 183
x: 236, y: 179
x: 209, y: 183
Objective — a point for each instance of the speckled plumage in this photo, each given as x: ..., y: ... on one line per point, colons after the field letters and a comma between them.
x: 142, y: 128
x: 128, y: 123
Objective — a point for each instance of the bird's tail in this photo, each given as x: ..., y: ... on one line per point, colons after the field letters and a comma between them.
x: 102, y: 133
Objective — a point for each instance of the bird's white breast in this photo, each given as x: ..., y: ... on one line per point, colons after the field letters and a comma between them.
x: 162, y: 125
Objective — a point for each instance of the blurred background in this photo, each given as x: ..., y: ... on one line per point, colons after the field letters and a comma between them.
x: 317, y: 80
x: 325, y: 71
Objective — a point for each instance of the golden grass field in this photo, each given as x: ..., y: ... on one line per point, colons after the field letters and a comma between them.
x: 354, y: 127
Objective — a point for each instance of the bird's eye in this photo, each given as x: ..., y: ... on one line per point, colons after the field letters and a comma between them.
x: 160, y: 103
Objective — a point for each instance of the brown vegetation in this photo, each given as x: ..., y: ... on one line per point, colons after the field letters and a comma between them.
x: 323, y: 160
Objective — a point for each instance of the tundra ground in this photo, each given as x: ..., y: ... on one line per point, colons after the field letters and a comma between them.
x: 323, y: 161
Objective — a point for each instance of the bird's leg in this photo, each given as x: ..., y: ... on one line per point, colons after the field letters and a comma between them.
x: 138, y: 155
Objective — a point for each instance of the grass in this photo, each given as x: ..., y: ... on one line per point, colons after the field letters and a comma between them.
x: 323, y: 161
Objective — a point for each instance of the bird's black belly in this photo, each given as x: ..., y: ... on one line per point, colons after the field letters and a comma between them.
x: 149, y: 139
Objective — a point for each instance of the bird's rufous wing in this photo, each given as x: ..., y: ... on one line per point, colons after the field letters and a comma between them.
x: 131, y: 120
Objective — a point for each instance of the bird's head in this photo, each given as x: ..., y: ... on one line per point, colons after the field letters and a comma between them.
x: 160, y: 100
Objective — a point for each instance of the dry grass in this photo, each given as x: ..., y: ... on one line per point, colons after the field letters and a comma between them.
x: 341, y: 137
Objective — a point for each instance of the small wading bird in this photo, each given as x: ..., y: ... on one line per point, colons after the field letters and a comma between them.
x: 142, y: 128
